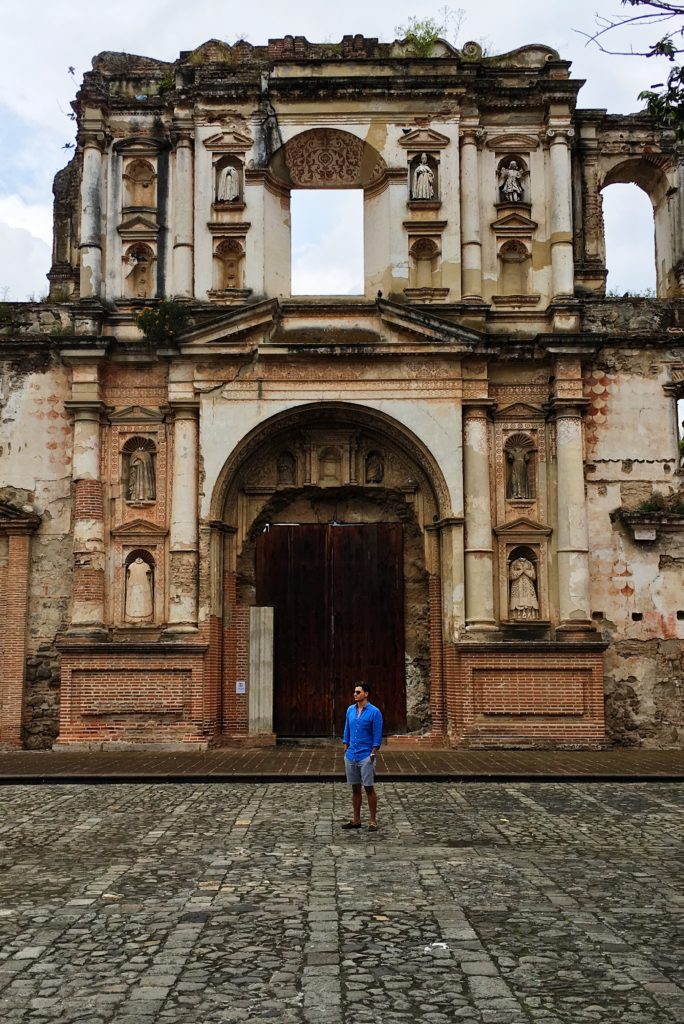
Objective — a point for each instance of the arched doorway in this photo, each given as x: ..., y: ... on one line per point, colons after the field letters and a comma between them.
x: 328, y: 511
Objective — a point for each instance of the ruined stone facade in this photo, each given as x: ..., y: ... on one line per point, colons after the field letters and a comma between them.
x: 482, y: 432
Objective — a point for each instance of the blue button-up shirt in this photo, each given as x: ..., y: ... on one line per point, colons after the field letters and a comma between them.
x: 362, y: 732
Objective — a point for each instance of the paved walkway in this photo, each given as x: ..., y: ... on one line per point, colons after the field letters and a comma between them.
x: 326, y: 762
x: 506, y: 903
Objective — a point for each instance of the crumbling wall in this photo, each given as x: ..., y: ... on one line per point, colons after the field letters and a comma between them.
x: 637, y: 585
x: 35, y: 474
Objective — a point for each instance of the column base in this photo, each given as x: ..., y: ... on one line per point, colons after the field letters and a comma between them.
x: 180, y: 627
x: 578, y: 632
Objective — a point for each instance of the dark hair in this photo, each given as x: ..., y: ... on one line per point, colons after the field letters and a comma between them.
x: 364, y: 686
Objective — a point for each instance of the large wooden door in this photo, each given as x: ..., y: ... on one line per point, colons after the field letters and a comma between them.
x: 337, y: 594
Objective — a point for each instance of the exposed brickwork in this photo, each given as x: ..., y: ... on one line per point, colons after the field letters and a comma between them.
x: 13, y: 601
x: 132, y: 696
x: 529, y: 694
x: 88, y: 499
x: 88, y: 583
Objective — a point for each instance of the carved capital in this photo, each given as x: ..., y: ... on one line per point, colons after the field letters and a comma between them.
x: 554, y: 136
x: 472, y: 136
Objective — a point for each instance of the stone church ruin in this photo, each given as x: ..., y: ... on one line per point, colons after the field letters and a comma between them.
x: 221, y: 504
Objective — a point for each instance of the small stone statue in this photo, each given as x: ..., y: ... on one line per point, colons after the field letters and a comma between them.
x: 228, y: 185
x: 286, y: 469
x: 423, y: 180
x: 139, y: 604
x: 510, y: 182
x: 523, y: 602
x: 375, y: 469
x: 519, y: 484
x: 141, y: 483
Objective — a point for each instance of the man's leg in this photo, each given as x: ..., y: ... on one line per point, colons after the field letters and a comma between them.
x: 372, y: 798
x: 356, y: 802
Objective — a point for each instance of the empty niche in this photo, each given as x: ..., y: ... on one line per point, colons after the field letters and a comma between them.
x: 286, y: 469
x: 375, y: 468
x: 140, y: 185
x: 424, y: 254
x: 139, y: 482
x: 330, y: 466
x: 514, y: 261
x: 139, y: 587
x: 229, y: 258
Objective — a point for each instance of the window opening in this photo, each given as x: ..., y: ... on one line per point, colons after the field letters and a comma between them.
x: 327, y: 241
x: 630, y: 243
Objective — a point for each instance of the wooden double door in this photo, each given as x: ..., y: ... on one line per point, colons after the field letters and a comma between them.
x: 338, y: 599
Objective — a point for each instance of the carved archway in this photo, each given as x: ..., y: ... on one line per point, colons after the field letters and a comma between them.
x: 329, y: 448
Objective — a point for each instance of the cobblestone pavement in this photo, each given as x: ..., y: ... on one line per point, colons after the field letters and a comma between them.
x: 484, y: 903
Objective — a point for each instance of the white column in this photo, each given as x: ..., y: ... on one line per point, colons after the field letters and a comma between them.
x: 260, y: 670
x: 451, y: 571
x: 184, y: 520
x: 572, y: 535
x: 479, y: 554
x: 90, y: 235
x: 182, y: 285
x: 471, y: 245
x: 87, y: 610
x: 562, y: 262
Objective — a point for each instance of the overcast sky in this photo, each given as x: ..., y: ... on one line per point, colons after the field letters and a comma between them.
x: 44, y: 38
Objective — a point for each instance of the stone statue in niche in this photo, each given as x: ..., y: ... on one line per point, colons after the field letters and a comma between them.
x: 141, y: 482
x: 423, y: 180
x: 523, y: 602
x: 375, y: 468
x: 286, y: 469
x: 519, y: 483
x: 139, y: 605
x: 510, y: 182
x: 228, y: 184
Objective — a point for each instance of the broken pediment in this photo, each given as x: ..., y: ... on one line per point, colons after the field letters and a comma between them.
x: 140, y: 145
x: 136, y: 414
x: 228, y: 141
x: 139, y: 528
x: 18, y: 520
x: 522, y: 527
x: 514, y: 223
x: 520, y: 411
x: 427, y: 326
x: 230, y: 328
x: 424, y: 138
x: 138, y: 227
x: 514, y: 142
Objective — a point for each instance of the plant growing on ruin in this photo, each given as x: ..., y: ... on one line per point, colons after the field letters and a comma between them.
x: 421, y: 34
x: 162, y: 323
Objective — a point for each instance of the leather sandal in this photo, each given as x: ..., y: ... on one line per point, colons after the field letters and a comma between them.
x: 352, y: 824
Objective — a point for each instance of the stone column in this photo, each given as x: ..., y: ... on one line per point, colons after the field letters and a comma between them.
x: 183, y: 250
x: 562, y: 261
x: 261, y: 671
x: 451, y: 571
x: 184, y: 519
x: 14, y: 596
x: 91, y: 233
x: 471, y: 245
x: 89, y: 546
x: 572, y: 536
x: 479, y: 553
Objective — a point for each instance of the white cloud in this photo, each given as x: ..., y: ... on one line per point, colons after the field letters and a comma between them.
x: 24, y: 262
x: 36, y: 218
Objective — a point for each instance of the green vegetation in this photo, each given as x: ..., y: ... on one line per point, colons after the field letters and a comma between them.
x: 162, y: 323
x: 421, y: 34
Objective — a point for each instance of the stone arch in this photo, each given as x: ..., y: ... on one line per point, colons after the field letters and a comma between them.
x: 655, y: 175
x: 292, y: 423
x: 252, y: 495
x: 328, y: 158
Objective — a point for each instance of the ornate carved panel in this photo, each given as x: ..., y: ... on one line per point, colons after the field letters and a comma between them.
x: 328, y: 158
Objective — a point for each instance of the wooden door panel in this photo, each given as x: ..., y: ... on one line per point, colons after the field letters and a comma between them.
x: 368, y: 619
x: 337, y: 594
x: 291, y: 577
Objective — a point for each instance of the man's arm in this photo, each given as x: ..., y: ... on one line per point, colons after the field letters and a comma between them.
x: 377, y: 733
x: 346, y: 737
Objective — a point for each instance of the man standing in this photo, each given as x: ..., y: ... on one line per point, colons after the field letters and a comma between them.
x: 362, y: 739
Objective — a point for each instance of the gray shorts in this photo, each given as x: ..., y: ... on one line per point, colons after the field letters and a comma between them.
x: 360, y: 772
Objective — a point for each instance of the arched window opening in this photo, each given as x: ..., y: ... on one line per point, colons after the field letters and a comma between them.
x: 629, y: 241
x: 327, y: 241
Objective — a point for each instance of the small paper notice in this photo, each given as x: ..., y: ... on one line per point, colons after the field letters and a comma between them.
x: 240, y: 686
